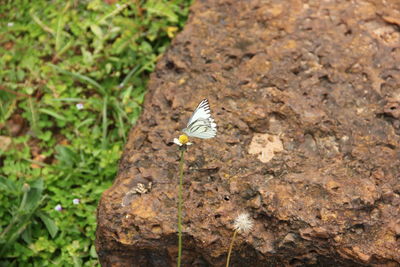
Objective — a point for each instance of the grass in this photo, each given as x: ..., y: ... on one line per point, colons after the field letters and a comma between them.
x: 73, y: 76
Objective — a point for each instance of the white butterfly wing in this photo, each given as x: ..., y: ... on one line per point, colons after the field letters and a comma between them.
x: 202, y: 128
x: 201, y: 112
x: 201, y: 124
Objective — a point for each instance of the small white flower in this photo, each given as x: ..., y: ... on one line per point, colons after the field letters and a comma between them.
x: 58, y: 207
x: 118, y: 5
x: 76, y: 201
x: 79, y: 106
x: 10, y: 24
x: 182, y: 140
x: 243, y: 223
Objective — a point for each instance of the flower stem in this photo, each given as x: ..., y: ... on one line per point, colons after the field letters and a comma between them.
x: 230, y: 248
x: 180, y: 201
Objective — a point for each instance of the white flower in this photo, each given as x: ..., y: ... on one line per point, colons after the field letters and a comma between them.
x: 243, y: 223
x: 183, y: 140
x: 79, y: 106
x: 10, y: 24
x: 76, y: 201
x: 117, y: 5
x: 58, y: 207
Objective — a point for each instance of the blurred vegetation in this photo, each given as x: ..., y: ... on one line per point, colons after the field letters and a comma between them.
x: 72, y: 80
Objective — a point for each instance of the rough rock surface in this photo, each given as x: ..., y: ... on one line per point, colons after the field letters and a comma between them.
x: 306, y: 95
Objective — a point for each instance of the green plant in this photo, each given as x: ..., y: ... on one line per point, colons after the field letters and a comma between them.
x: 72, y: 84
x: 25, y: 216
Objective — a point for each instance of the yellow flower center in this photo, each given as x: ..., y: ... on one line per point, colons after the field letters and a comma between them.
x: 183, y: 139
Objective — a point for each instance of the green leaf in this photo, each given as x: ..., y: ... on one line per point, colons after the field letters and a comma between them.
x: 33, y: 116
x: 32, y: 198
x: 49, y: 223
x: 45, y: 136
x: 7, y: 185
x: 53, y: 114
x: 27, y: 234
x: 97, y: 31
x: 93, y: 252
x: 66, y: 156
x: 160, y: 8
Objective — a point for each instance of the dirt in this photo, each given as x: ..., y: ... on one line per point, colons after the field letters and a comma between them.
x: 306, y: 96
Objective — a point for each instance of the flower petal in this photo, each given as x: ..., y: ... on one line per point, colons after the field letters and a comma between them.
x: 176, y: 141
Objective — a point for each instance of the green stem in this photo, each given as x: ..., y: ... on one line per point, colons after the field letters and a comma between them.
x: 180, y: 201
x: 230, y: 248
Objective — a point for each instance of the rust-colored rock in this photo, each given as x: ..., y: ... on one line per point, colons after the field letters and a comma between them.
x: 306, y: 95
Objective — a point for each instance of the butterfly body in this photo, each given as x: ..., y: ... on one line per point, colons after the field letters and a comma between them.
x: 201, y: 125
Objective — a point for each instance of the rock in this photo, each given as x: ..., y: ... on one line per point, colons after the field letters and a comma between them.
x: 306, y: 98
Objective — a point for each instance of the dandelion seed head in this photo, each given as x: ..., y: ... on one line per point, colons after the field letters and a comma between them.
x: 243, y: 223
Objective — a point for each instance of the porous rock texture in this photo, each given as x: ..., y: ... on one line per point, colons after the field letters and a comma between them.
x: 306, y: 95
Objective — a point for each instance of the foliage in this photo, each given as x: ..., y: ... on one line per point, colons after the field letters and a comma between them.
x: 72, y: 81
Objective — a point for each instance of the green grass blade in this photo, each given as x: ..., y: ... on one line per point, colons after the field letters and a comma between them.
x: 58, y: 33
x: 130, y: 74
x: 104, y: 117
x: 68, y: 99
x: 33, y: 117
x: 53, y: 114
x: 41, y: 24
x: 81, y: 77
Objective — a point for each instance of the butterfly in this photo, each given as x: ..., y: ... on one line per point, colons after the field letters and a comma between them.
x: 201, y: 124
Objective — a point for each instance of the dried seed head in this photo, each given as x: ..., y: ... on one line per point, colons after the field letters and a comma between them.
x: 243, y: 223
